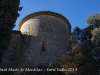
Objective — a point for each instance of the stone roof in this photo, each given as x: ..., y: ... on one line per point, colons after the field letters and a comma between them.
x: 44, y: 13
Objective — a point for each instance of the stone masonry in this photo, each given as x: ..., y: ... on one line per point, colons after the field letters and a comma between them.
x: 41, y: 39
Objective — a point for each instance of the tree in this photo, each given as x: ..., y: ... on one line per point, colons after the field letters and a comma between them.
x: 8, y: 15
x: 87, y: 49
x: 80, y: 56
x: 71, y: 60
x: 83, y: 34
x: 94, y: 20
x: 96, y: 43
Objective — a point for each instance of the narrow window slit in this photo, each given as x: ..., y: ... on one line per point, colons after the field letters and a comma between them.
x: 43, y: 46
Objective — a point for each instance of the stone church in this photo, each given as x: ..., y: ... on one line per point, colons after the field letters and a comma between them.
x: 40, y: 40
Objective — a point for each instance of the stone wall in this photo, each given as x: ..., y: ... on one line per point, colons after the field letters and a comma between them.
x: 10, y: 55
x: 53, y: 31
x: 40, y: 41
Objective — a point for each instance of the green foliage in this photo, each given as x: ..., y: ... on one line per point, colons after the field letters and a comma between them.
x: 83, y: 34
x: 89, y: 62
x: 8, y: 15
x: 72, y: 58
x: 94, y: 20
x: 80, y: 56
x: 95, y: 32
x: 72, y: 41
x: 85, y: 53
x: 78, y: 32
x: 96, y: 43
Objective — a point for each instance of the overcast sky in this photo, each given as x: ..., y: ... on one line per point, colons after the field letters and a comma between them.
x: 76, y: 11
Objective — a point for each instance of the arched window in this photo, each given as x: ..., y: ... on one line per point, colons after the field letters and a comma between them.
x: 43, y: 46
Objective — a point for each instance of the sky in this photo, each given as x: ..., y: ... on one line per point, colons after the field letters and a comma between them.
x: 76, y: 11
